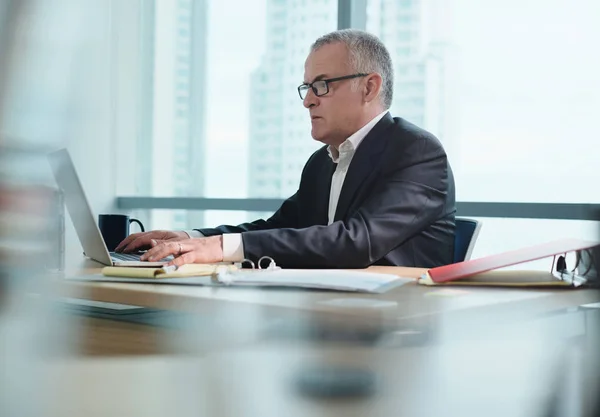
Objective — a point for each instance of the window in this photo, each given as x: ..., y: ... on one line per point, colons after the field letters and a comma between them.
x: 405, y: 35
x: 220, y: 84
x: 511, y: 88
x: 498, y: 235
x: 513, y: 103
x: 401, y: 53
x: 180, y: 219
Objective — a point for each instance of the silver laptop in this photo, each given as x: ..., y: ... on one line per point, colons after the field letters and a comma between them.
x: 83, y: 218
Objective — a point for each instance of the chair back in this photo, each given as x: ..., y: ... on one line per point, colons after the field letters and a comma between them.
x: 465, y: 236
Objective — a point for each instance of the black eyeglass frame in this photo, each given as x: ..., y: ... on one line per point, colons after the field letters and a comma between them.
x: 306, y: 86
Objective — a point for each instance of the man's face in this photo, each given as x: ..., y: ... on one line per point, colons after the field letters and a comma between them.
x: 334, y: 115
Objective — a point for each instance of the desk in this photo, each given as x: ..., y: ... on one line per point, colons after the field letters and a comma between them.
x: 247, y: 361
x: 234, y: 316
x: 405, y: 302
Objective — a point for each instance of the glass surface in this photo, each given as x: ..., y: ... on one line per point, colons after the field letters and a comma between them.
x: 511, y: 88
x: 196, y: 219
x: 223, y: 118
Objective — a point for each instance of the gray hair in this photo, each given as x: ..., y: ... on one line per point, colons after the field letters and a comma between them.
x: 367, y: 55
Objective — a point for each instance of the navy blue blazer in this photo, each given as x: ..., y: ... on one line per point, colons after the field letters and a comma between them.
x: 396, y: 207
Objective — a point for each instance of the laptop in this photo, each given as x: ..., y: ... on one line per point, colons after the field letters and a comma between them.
x: 83, y: 218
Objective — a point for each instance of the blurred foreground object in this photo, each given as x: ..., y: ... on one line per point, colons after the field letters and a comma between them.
x: 38, y: 43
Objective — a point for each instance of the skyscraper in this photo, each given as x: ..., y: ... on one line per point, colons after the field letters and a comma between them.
x: 280, y: 140
x: 178, y: 109
x: 416, y: 33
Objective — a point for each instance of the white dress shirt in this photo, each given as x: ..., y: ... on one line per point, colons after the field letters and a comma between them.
x: 342, y: 157
x: 233, y: 246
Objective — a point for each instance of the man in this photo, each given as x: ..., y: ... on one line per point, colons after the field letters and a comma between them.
x: 380, y: 191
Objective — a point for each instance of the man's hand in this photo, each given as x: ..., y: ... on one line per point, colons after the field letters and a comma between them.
x: 202, y: 250
x: 147, y: 240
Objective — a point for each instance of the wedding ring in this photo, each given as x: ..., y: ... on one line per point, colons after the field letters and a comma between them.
x: 180, y: 249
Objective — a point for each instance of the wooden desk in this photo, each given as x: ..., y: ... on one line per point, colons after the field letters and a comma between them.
x: 233, y: 316
x: 185, y: 298
x: 405, y: 302
x: 487, y: 370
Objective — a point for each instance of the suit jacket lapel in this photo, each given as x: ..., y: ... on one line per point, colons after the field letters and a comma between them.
x: 363, y: 162
x: 323, y: 191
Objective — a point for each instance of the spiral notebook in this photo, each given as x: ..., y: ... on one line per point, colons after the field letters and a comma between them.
x: 270, y: 276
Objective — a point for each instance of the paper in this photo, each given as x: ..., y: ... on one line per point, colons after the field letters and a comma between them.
x: 341, y: 280
x: 229, y: 275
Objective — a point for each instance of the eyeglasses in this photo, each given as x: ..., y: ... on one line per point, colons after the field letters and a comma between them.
x: 321, y: 87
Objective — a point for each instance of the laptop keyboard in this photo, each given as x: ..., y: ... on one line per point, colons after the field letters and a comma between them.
x: 135, y: 257
x: 125, y: 256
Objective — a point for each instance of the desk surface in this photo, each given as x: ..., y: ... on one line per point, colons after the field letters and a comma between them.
x: 405, y: 302
x: 487, y: 370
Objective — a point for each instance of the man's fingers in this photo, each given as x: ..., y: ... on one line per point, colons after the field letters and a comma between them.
x: 141, y: 242
x: 189, y: 251
x: 160, y: 251
x: 144, y: 241
x: 125, y: 242
x: 153, y: 253
x: 186, y: 246
x: 186, y: 258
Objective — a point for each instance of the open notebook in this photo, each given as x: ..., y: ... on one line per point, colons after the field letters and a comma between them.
x: 273, y: 276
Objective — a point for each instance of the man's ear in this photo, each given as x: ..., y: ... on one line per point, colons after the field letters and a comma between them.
x: 372, y: 87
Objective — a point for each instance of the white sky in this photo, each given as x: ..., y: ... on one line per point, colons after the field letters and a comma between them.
x: 526, y: 102
x: 236, y: 42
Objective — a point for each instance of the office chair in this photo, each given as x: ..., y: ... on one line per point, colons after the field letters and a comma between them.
x: 465, y: 237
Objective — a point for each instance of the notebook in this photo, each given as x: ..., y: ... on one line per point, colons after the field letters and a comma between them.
x: 190, y: 270
x: 484, y: 271
x: 512, y: 278
x: 272, y: 276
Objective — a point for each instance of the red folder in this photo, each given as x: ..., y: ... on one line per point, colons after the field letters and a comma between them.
x: 477, y: 266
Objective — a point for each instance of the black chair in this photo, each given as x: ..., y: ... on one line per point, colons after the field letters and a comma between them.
x: 465, y: 237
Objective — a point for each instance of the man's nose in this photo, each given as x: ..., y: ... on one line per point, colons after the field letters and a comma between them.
x: 310, y: 99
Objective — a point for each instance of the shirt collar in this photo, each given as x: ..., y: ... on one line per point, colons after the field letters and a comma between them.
x: 355, y: 139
